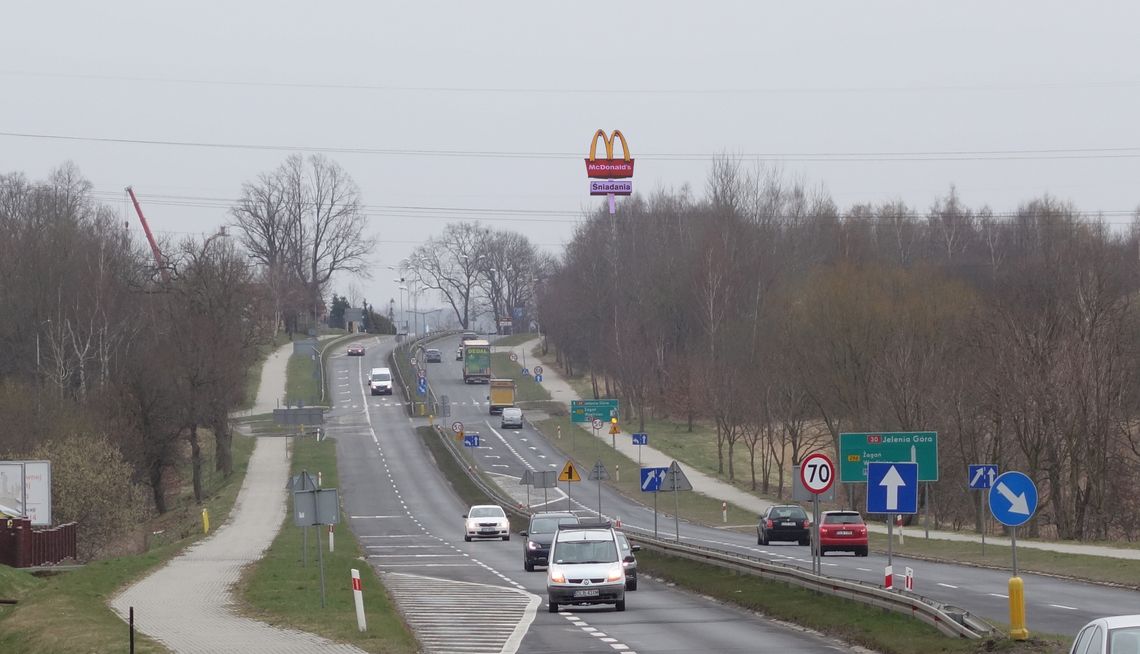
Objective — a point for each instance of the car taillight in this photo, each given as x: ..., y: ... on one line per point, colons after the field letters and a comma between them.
x: 807, y: 523
x: 768, y: 523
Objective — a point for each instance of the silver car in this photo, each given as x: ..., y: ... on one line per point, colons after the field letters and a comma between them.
x: 585, y: 567
x: 1118, y: 634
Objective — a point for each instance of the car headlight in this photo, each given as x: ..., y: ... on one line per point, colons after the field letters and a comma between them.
x: 556, y: 575
x: 616, y: 573
x: 531, y: 545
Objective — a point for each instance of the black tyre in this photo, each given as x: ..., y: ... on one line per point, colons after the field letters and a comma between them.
x: 467, y: 538
x: 764, y: 541
x: 862, y: 551
x: 507, y: 537
x: 529, y: 567
x: 620, y: 606
x: 805, y: 542
x: 631, y: 584
x: 552, y: 607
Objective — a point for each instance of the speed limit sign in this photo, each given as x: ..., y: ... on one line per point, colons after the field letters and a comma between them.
x: 514, y: 357
x: 457, y: 427
x: 538, y: 370
x: 596, y: 423
x: 817, y: 473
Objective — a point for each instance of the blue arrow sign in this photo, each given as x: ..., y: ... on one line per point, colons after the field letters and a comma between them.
x: 471, y: 440
x: 1013, y: 499
x: 982, y: 475
x: 892, y: 488
x: 641, y: 439
x: 651, y: 479
x: 538, y: 378
x: 422, y: 386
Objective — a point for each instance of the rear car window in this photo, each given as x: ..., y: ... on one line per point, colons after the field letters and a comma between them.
x: 793, y: 512
x: 843, y: 519
x: 550, y: 525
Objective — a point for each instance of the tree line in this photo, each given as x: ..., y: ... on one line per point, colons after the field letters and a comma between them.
x: 766, y: 310
x: 117, y: 366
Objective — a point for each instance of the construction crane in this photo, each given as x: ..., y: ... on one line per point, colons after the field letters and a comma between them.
x: 158, y: 261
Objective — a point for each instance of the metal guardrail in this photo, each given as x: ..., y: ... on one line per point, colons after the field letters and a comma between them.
x: 400, y: 355
x: 949, y: 620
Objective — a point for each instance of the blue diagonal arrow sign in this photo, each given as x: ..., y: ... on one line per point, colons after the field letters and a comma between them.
x: 1013, y: 499
x: 651, y: 479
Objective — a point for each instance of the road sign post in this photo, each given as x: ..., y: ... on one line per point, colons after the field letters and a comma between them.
x: 651, y: 479
x: 892, y: 488
x: 569, y: 474
x: 817, y: 475
x: 981, y: 477
x: 599, y: 474
x: 1013, y: 501
x: 639, y: 440
x: 586, y: 410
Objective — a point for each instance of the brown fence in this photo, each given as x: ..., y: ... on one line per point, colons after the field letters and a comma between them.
x: 21, y: 546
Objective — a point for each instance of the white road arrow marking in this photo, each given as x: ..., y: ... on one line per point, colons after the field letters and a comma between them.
x: 992, y: 472
x: 978, y: 474
x: 892, y: 481
x: 1017, y: 503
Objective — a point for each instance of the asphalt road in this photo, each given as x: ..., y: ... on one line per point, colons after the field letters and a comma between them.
x: 1052, y: 605
x: 473, y: 597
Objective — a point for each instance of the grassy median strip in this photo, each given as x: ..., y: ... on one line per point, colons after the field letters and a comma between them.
x: 282, y: 590
x: 526, y: 389
x: 468, y: 491
x: 883, y: 631
x: 68, y: 612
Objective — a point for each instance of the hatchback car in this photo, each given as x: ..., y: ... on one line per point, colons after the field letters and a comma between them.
x: 842, y: 531
x: 585, y: 567
x: 433, y: 356
x: 486, y: 521
x: 1117, y: 634
x: 628, y: 560
x: 459, y: 354
x: 540, y: 533
x: 511, y: 417
x: 784, y: 522
x: 355, y: 350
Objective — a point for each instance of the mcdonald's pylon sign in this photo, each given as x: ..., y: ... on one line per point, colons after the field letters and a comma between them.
x: 609, y: 168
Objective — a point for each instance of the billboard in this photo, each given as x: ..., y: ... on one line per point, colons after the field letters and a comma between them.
x: 608, y: 168
x: 25, y: 490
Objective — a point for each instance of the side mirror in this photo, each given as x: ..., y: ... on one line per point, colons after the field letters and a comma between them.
x: 464, y: 515
x: 635, y: 548
x: 523, y: 533
x: 488, y: 397
x: 629, y: 559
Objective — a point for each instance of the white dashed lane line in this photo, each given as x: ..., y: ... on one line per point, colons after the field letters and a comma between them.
x: 593, y: 631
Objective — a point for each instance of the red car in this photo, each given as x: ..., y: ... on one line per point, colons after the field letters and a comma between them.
x: 356, y: 350
x: 842, y: 531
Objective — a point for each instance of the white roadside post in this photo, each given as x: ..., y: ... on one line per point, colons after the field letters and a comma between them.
x: 724, y: 512
x: 358, y: 596
x: 331, y: 539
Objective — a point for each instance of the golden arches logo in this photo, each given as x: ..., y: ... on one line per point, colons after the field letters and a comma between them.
x: 609, y: 168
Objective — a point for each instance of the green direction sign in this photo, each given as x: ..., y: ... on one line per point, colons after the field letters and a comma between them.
x: 857, y: 450
x: 587, y: 410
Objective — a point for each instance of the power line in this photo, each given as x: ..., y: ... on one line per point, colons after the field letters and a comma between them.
x: 1130, y: 152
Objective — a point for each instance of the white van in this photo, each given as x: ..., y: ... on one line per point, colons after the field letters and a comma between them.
x: 380, y: 381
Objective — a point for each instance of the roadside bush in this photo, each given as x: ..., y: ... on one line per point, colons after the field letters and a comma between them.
x: 91, y: 485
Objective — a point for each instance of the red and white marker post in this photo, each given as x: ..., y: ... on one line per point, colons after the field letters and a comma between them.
x: 908, y: 580
x: 889, y: 577
x: 358, y: 596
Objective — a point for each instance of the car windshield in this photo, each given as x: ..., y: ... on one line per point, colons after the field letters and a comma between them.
x: 381, y: 376
x: 550, y: 525
x: 585, y: 551
x: 487, y: 512
x: 843, y: 519
x: 435, y: 352
x: 1124, y: 639
x: 790, y: 512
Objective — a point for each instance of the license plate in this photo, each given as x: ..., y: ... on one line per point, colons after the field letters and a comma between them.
x: 788, y: 524
x: 589, y: 592
x: 488, y: 531
x: 843, y: 532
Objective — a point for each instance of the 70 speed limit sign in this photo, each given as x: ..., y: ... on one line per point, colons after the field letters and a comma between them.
x: 817, y: 473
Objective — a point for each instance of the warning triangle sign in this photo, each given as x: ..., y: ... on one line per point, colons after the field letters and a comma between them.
x: 569, y: 473
x: 599, y: 473
x: 675, y: 479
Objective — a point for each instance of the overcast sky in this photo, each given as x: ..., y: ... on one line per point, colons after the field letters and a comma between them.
x: 790, y: 82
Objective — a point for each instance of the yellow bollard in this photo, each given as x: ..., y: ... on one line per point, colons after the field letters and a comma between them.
x: 205, y: 521
x: 1017, y: 628
x: 431, y: 420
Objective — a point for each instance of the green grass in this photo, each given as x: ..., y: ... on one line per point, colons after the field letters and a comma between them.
x: 280, y: 590
x: 300, y: 384
x: 879, y: 630
x: 526, y: 389
x: 514, y: 339
x: 585, y: 449
x: 68, y: 612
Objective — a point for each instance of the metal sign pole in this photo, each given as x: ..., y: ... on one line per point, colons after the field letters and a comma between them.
x: 321, y: 564
x: 655, y: 514
x: 676, y: 506
x: 890, y: 538
x: 528, y: 497
x: 816, y: 565
x: 926, y: 508
x: 1013, y: 546
x: 305, y: 548
x: 544, y: 500
x: 599, y: 497
x: 982, y: 519
x: 568, y: 493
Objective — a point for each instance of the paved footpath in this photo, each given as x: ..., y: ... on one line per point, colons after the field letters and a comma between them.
x: 188, y: 604
x: 709, y: 485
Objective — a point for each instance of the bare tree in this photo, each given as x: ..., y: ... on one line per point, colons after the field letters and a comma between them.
x: 451, y: 264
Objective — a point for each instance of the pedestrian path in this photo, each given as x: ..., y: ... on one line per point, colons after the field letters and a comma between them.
x: 560, y: 390
x: 188, y: 604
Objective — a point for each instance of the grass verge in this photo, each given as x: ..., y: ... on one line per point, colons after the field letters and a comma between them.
x: 281, y: 590
x: 514, y: 339
x: 68, y: 612
x: 585, y: 450
x: 526, y: 389
x: 882, y: 631
x: 300, y: 383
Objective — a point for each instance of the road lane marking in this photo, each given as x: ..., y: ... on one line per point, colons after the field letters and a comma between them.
x: 863, y: 569
x: 999, y: 595
x: 1062, y: 606
x: 947, y: 585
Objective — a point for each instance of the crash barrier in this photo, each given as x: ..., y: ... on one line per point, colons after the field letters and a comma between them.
x: 22, y: 546
x: 400, y: 357
x: 950, y: 620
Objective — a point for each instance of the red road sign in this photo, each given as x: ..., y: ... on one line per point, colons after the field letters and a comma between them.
x: 817, y: 473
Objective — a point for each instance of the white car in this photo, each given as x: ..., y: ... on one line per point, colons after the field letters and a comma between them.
x: 585, y: 567
x: 511, y: 417
x: 486, y: 521
x: 1118, y: 634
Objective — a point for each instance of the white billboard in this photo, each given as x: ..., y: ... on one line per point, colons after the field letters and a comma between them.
x: 32, y: 497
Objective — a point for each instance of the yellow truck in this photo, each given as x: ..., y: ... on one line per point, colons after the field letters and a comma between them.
x: 502, y: 395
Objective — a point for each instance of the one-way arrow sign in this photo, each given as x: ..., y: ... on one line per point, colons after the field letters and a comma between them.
x: 1013, y: 499
x: 982, y: 475
x: 892, y: 488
